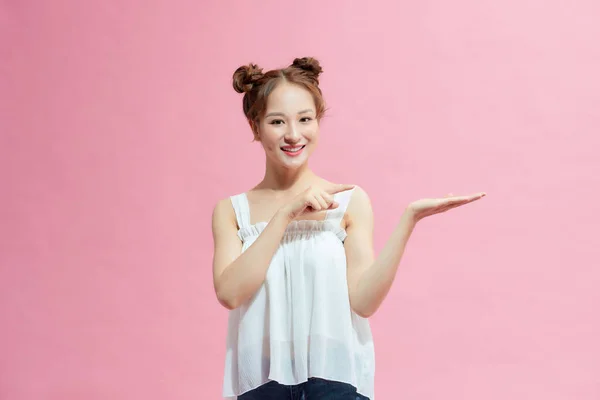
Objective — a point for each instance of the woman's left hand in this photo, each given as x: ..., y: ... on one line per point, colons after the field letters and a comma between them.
x: 425, y: 207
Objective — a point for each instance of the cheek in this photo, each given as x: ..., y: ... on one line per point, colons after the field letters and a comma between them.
x: 268, y: 136
x: 313, y: 133
x: 270, y: 143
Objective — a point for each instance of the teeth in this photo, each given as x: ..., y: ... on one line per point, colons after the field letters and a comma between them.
x: 292, y: 149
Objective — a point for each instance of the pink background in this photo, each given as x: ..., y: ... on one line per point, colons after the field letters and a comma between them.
x: 120, y: 130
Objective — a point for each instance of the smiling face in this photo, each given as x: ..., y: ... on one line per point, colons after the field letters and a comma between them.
x: 289, y: 130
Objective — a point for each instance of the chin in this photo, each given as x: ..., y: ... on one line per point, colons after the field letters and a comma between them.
x: 290, y: 162
x: 293, y: 165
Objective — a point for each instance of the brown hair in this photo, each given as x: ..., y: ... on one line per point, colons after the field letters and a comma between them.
x: 256, y: 86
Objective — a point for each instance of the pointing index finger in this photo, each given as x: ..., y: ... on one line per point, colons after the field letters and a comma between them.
x: 339, y: 188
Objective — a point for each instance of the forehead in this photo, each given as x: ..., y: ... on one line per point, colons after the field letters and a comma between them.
x: 290, y: 98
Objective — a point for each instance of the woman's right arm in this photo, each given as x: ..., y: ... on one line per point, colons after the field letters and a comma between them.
x: 237, y: 276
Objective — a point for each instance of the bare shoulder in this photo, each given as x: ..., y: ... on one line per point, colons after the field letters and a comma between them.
x: 360, y: 199
x: 359, y: 214
x: 360, y: 207
x: 223, y: 215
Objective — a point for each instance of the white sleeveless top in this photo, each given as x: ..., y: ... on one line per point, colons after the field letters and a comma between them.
x: 299, y: 324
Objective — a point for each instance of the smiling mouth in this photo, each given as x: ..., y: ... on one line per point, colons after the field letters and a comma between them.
x: 293, y: 150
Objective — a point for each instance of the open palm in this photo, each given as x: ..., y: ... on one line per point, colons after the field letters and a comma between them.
x: 426, y: 207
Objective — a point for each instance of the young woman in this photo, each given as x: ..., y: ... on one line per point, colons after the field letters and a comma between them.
x: 293, y: 257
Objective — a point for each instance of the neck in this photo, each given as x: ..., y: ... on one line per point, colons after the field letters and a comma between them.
x: 280, y: 179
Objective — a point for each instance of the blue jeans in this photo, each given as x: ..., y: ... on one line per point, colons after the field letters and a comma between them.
x: 313, y: 389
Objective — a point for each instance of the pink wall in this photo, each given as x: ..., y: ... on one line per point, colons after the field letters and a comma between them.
x: 120, y: 130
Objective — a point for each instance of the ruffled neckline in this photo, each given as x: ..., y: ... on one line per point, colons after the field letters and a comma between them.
x: 296, y: 229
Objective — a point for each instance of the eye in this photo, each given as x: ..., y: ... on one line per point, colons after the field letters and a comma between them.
x: 276, y: 122
x: 305, y: 119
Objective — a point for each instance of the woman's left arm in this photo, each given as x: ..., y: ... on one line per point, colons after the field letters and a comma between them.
x: 370, y: 278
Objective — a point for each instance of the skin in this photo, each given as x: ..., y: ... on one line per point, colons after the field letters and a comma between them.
x: 289, y: 191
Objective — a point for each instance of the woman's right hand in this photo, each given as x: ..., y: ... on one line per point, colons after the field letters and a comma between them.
x: 313, y: 199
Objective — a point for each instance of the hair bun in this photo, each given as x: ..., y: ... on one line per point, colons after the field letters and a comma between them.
x: 245, y: 77
x: 310, y: 65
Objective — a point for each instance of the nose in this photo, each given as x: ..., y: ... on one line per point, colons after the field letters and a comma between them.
x: 293, y: 134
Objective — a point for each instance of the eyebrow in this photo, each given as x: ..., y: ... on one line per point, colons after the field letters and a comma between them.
x: 274, y: 114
